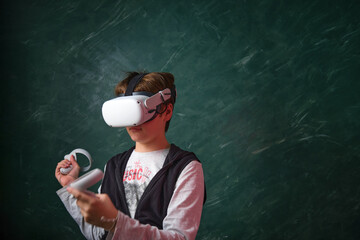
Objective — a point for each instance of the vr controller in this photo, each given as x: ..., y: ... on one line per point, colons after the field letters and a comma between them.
x: 88, y: 179
x: 74, y: 152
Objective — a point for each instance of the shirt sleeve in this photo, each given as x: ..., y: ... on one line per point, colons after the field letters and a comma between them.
x: 184, y: 211
x: 88, y: 230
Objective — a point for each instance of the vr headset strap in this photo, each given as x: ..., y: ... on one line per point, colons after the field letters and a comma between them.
x: 132, y: 84
x: 173, y: 93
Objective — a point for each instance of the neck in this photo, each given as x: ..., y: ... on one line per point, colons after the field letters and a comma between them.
x: 152, y: 145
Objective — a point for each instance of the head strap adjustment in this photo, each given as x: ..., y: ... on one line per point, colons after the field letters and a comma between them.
x: 132, y: 84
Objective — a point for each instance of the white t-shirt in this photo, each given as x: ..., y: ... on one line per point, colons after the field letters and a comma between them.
x: 140, y: 169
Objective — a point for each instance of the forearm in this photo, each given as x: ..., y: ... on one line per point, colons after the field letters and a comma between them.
x: 129, y: 228
x: 88, y: 230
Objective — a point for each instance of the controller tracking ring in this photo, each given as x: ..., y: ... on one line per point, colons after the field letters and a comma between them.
x: 74, y: 152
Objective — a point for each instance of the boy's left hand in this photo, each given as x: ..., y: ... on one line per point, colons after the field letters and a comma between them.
x: 95, y: 206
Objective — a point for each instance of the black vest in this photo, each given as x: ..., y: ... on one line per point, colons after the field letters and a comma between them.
x: 159, y: 190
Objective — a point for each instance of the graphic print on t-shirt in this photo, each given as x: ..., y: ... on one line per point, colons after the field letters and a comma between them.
x: 140, y: 169
x: 136, y: 179
x: 136, y: 173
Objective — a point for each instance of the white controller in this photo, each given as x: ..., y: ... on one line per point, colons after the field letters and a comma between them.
x: 74, y: 152
x: 87, y: 180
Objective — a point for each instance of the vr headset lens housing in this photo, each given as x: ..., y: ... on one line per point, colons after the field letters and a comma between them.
x: 126, y: 111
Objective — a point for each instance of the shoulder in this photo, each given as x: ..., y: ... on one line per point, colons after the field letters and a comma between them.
x: 176, y: 153
x: 192, y: 170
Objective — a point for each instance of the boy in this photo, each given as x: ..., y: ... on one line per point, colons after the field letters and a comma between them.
x: 154, y: 190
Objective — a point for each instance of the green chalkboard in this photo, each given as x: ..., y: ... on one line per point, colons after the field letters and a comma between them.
x: 268, y: 99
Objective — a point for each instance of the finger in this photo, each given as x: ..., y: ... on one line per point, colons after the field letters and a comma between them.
x: 76, y: 193
x: 87, y: 217
x: 62, y: 164
x: 79, y: 195
x: 73, y: 191
x: 73, y: 161
x: 83, y: 213
x: 65, y: 161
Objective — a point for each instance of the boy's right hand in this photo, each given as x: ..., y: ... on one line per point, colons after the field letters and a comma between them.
x: 66, y: 179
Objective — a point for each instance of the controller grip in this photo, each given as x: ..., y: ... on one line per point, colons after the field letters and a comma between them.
x: 66, y: 170
x: 74, y: 152
x: 87, y: 180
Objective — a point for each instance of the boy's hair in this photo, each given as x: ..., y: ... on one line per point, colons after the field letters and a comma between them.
x: 152, y: 82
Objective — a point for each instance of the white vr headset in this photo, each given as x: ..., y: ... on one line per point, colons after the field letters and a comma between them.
x: 135, y: 108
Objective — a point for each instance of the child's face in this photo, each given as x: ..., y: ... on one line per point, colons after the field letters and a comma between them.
x: 153, y: 131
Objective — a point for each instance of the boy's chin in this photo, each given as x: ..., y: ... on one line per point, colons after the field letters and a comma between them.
x: 137, y: 137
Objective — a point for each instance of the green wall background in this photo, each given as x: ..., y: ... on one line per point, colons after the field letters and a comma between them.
x: 268, y: 98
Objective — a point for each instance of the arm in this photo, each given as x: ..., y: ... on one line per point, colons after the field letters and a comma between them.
x: 184, y: 211
x: 88, y: 230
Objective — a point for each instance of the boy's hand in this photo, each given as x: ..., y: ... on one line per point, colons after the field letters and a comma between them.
x: 66, y: 179
x: 95, y: 207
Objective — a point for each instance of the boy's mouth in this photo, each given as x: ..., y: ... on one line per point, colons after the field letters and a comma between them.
x: 135, y: 129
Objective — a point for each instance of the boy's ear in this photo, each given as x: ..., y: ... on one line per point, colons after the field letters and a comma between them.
x: 169, y: 111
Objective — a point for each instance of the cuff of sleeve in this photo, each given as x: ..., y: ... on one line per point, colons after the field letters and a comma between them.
x: 63, y: 194
x: 119, y: 224
x: 109, y: 236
